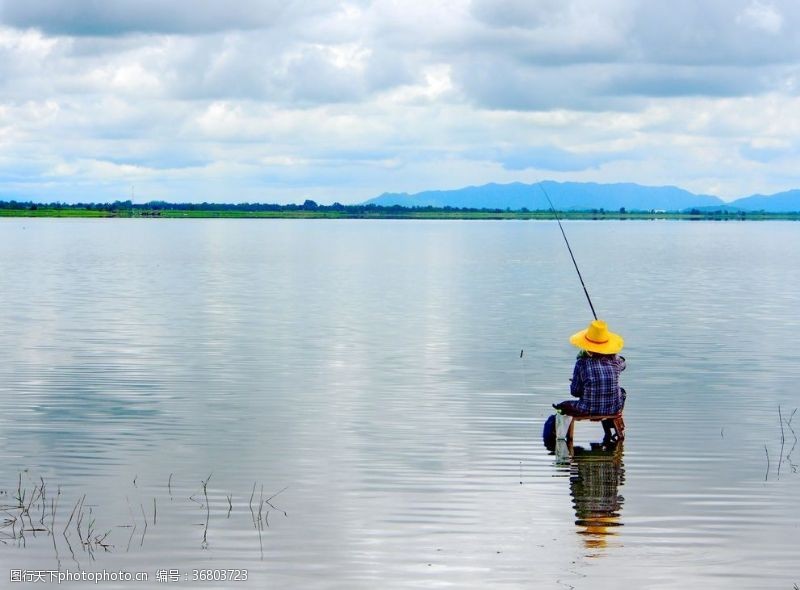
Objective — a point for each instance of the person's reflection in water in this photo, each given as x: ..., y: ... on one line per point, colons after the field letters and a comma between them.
x: 596, y: 475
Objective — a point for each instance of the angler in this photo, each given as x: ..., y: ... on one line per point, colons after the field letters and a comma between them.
x: 595, y: 377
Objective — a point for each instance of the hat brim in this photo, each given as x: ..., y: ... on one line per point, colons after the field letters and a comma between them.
x: 612, y: 346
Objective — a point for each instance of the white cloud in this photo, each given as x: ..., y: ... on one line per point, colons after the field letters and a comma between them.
x: 264, y: 100
x: 762, y: 16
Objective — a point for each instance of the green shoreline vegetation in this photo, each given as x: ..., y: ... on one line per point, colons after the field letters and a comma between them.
x: 311, y: 210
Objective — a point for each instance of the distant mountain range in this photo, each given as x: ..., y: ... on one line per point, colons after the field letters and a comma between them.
x: 586, y: 196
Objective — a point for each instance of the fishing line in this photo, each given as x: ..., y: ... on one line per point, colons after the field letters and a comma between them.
x: 553, y: 209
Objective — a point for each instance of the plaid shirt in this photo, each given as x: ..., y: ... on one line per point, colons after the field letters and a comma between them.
x: 595, y: 380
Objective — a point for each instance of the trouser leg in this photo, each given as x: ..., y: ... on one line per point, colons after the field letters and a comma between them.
x: 607, y: 426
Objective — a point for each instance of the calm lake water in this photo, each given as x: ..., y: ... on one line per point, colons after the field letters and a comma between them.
x: 369, y: 374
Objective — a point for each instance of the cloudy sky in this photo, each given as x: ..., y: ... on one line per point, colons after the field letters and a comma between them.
x: 278, y: 101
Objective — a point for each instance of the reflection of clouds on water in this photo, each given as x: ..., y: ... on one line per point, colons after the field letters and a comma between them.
x: 68, y: 412
x: 596, y: 475
x: 376, y: 371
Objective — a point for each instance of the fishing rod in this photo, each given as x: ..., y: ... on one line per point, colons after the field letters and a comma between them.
x: 553, y: 209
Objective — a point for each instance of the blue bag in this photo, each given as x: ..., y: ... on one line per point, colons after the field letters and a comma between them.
x: 549, y: 432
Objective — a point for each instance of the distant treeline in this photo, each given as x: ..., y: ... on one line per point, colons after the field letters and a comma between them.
x: 308, y: 205
x: 310, y: 209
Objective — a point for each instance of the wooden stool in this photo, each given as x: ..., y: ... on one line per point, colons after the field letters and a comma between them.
x: 619, y: 425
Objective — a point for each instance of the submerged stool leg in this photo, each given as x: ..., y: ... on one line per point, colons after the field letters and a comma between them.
x: 608, y: 424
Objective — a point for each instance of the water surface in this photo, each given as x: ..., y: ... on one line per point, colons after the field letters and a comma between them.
x: 369, y: 373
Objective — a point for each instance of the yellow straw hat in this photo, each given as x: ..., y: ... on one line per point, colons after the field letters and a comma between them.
x: 597, y: 338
